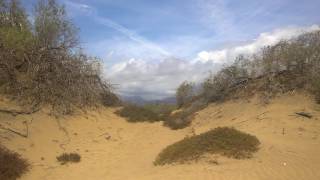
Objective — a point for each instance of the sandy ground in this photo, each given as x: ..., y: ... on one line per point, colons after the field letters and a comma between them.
x: 112, y: 149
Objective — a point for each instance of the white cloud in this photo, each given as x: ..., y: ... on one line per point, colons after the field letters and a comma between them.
x: 158, y: 79
x: 269, y: 38
x: 155, y: 80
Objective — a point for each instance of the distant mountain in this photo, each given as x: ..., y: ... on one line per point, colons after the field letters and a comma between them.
x: 138, y: 100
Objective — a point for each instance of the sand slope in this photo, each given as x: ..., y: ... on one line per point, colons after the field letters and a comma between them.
x: 113, y: 149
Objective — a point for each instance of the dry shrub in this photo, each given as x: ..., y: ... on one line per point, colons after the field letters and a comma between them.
x: 222, y: 140
x: 69, y: 157
x: 12, y: 166
x: 134, y: 113
x: 288, y: 65
x: 41, y: 63
x: 184, y: 118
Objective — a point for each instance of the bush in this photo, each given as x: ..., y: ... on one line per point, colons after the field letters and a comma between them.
x: 134, y: 113
x: 69, y: 157
x: 41, y: 63
x: 184, y: 93
x: 162, y: 109
x: 12, y: 166
x: 316, y: 89
x: 179, y: 120
x: 184, y: 118
x: 288, y: 65
x: 222, y: 140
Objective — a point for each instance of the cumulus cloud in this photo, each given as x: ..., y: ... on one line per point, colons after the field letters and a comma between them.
x: 264, y: 39
x: 159, y: 79
x: 155, y: 80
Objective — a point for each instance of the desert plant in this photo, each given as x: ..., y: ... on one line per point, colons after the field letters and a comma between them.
x: 12, y: 166
x: 69, y: 157
x: 222, y: 140
x: 183, y: 118
x: 184, y: 93
x: 41, y: 63
x: 134, y: 113
x: 285, y: 66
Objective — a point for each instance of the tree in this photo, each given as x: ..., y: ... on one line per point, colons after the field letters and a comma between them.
x: 52, y: 27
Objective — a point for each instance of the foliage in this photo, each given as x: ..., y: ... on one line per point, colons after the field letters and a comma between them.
x: 183, y: 118
x: 285, y: 66
x: 41, y: 63
x: 184, y: 93
x: 222, y: 140
x: 134, y: 113
x: 69, y: 157
x: 12, y: 165
x: 162, y: 109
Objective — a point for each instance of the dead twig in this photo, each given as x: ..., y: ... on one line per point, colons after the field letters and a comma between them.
x: 16, y: 132
x: 304, y: 114
x: 14, y: 112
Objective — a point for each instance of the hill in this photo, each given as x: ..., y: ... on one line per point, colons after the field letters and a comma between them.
x: 112, y: 148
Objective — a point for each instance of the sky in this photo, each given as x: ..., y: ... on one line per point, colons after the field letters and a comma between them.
x: 150, y: 46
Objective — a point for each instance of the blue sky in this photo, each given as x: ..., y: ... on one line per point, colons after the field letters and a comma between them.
x: 137, y: 38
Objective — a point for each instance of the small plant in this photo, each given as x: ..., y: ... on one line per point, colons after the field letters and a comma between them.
x: 12, y: 166
x: 222, y: 140
x: 179, y: 120
x: 69, y: 157
x: 134, y: 113
x: 184, y: 118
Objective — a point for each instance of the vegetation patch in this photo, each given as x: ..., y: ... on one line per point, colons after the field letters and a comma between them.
x: 69, y: 157
x: 41, y: 61
x: 222, y: 140
x: 184, y: 118
x: 134, y: 113
x: 12, y: 166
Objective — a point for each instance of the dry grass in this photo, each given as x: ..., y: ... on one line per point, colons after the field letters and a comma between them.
x: 12, y: 166
x: 222, y: 140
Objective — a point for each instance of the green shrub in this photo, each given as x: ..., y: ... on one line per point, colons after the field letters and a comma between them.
x: 69, y: 157
x: 184, y: 118
x: 12, y: 166
x: 222, y: 140
x: 179, y: 120
x: 160, y: 108
x: 134, y: 113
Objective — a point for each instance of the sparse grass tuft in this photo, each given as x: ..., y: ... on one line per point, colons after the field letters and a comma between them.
x: 69, y: 157
x: 222, y: 140
x: 135, y: 113
x: 12, y: 166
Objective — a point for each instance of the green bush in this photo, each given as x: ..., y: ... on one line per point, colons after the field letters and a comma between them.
x: 179, y: 120
x: 222, y: 140
x: 184, y: 118
x: 12, y: 166
x: 134, y: 113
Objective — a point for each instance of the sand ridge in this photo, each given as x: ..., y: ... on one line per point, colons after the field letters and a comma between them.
x: 112, y: 148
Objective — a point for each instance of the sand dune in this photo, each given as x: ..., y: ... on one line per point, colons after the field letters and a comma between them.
x: 113, y: 149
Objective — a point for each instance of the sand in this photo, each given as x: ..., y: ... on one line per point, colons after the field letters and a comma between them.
x: 113, y: 149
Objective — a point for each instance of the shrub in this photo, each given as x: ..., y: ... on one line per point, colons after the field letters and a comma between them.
x: 134, y: 113
x: 41, y: 63
x: 69, y: 157
x: 179, y: 120
x: 184, y: 93
x: 222, y: 140
x: 12, y: 166
x: 184, y: 118
x: 160, y: 108
x: 288, y: 65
